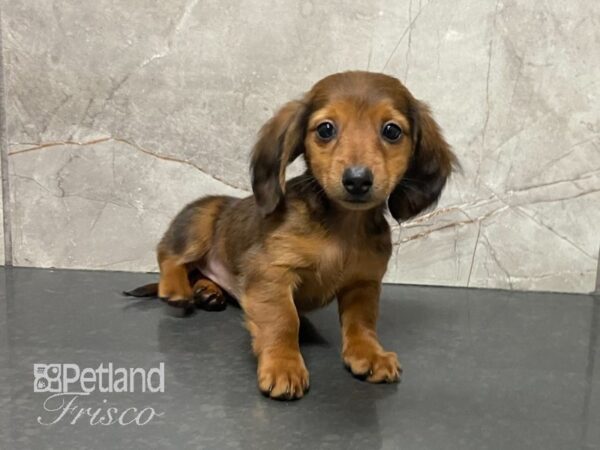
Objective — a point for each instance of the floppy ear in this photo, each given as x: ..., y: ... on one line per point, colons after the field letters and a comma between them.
x: 280, y: 141
x: 431, y: 164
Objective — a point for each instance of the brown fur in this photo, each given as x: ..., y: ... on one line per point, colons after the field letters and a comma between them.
x: 297, y: 245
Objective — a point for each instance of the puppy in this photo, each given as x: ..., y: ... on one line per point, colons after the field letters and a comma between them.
x: 370, y: 147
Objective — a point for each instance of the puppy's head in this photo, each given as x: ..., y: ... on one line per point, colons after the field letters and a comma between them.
x: 365, y: 139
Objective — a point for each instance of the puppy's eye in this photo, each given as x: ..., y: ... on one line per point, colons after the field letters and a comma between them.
x: 391, y: 132
x: 326, y: 131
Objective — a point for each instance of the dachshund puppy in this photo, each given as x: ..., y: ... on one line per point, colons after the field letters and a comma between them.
x: 370, y: 147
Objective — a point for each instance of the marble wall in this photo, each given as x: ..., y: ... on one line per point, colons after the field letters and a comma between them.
x: 118, y: 113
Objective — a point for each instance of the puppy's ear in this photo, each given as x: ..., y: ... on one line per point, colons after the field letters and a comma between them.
x: 280, y: 141
x: 431, y: 164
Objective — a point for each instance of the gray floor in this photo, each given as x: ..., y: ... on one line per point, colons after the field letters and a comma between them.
x: 482, y: 370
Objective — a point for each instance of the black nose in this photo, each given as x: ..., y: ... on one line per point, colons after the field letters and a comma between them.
x: 357, y: 180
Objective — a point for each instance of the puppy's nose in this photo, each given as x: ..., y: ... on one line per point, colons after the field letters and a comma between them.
x: 357, y: 180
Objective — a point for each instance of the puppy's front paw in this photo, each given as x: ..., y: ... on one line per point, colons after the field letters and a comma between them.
x: 282, y: 376
x: 369, y: 362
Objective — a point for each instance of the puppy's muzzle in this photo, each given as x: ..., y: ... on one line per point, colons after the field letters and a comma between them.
x: 358, y: 181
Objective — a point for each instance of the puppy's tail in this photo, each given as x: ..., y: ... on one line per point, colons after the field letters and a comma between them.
x: 148, y: 290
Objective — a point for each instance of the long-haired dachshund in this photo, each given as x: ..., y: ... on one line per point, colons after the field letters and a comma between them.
x: 293, y: 246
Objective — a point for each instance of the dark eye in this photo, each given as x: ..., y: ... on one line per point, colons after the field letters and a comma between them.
x: 326, y: 131
x: 391, y: 132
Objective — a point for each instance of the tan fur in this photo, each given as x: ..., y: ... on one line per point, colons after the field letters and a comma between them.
x: 298, y: 245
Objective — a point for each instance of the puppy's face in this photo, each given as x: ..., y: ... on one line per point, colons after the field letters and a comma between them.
x: 358, y: 149
x: 365, y: 139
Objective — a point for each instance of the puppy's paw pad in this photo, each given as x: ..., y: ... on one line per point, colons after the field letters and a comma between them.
x: 210, y: 301
x: 209, y: 296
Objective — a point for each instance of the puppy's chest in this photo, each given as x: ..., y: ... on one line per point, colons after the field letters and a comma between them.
x: 332, y: 267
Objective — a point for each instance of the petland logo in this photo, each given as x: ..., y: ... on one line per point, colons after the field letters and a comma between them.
x: 68, y: 383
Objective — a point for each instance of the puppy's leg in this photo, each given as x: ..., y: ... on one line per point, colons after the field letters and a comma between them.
x: 361, y: 351
x: 187, y: 241
x: 174, y: 286
x: 273, y: 322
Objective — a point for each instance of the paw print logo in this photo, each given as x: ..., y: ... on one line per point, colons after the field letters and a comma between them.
x: 46, y: 378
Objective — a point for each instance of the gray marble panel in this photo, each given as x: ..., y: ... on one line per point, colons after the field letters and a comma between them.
x: 120, y: 112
